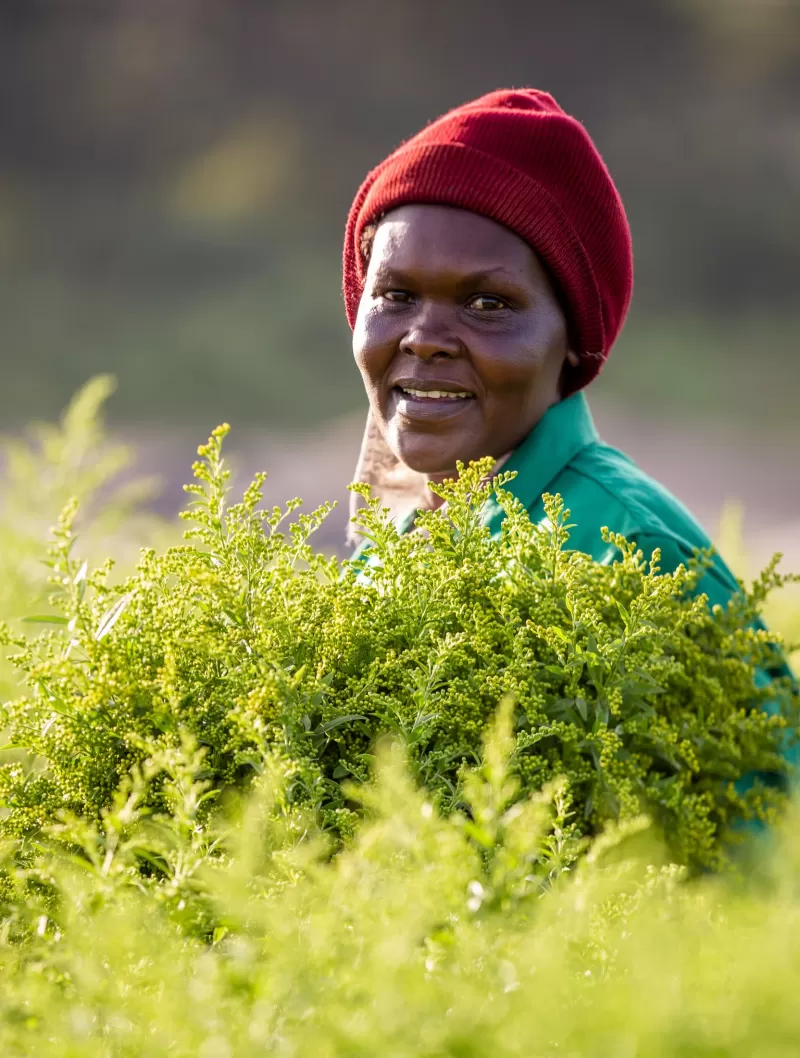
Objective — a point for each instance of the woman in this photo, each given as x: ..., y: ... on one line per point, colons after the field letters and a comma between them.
x: 487, y: 274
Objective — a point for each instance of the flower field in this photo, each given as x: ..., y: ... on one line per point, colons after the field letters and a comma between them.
x: 459, y: 797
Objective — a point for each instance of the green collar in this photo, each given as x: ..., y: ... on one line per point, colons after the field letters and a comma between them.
x: 555, y: 440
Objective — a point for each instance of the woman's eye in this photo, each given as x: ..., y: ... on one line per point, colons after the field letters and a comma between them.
x: 400, y: 296
x: 486, y: 303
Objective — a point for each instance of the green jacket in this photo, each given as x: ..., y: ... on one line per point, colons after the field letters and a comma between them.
x: 601, y: 486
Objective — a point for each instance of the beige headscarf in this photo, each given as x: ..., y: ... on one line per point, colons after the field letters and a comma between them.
x: 399, y: 487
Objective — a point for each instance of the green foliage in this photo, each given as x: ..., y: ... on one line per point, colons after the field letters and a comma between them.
x: 625, y: 690
x: 209, y: 848
x: 412, y: 941
x: 782, y: 609
x: 39, y: 474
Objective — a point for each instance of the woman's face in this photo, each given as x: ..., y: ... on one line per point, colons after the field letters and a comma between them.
x: 460, y: 338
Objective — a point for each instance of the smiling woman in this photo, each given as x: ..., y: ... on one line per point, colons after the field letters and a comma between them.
x: 487, y: 273
x: 488, y: 270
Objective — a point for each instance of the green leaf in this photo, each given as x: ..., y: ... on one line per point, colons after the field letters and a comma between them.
x: 112, y: 615
x: 339, y: 721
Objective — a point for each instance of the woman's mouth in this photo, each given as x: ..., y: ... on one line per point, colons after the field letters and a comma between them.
x: 435, y: 394
x: 429, y: 403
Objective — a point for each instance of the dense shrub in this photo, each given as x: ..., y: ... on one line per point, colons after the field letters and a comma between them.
x: 250, y: 643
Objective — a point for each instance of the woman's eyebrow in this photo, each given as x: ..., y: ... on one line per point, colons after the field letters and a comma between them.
x: 463, y: 282
x: 489, y: 275
x: 386, y: 273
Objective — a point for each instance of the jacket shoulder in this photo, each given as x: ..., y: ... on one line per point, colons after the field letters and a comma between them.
x: 602, y: 481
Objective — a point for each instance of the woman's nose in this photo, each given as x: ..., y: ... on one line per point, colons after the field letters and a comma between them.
x: 430, y: 336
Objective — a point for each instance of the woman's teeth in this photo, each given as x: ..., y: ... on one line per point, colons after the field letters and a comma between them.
x: 435, y: 394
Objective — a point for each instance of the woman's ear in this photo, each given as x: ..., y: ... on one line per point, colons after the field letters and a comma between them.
x: 571, y: 361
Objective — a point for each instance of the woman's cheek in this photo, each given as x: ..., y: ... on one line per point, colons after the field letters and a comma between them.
x: 361, y: 330
x: 374, y: 339
x: 504, y: 369
x: 372, y: 346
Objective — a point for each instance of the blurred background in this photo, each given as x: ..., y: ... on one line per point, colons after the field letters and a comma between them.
x: 175, y: 174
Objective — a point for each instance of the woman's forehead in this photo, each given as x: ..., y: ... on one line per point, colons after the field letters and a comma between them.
x: 443, y: 236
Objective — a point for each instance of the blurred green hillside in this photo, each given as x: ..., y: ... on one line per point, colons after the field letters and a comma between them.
x: 174, y: 177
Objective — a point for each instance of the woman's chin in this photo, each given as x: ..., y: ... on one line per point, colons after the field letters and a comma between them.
x: 435, y: 461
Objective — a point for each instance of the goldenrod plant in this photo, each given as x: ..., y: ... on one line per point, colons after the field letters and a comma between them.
x: 454, y: 797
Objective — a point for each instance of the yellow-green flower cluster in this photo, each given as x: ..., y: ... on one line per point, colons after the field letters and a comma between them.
x: 624, y: 687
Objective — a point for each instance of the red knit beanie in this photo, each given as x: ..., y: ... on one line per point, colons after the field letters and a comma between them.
x: 515, y: 156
